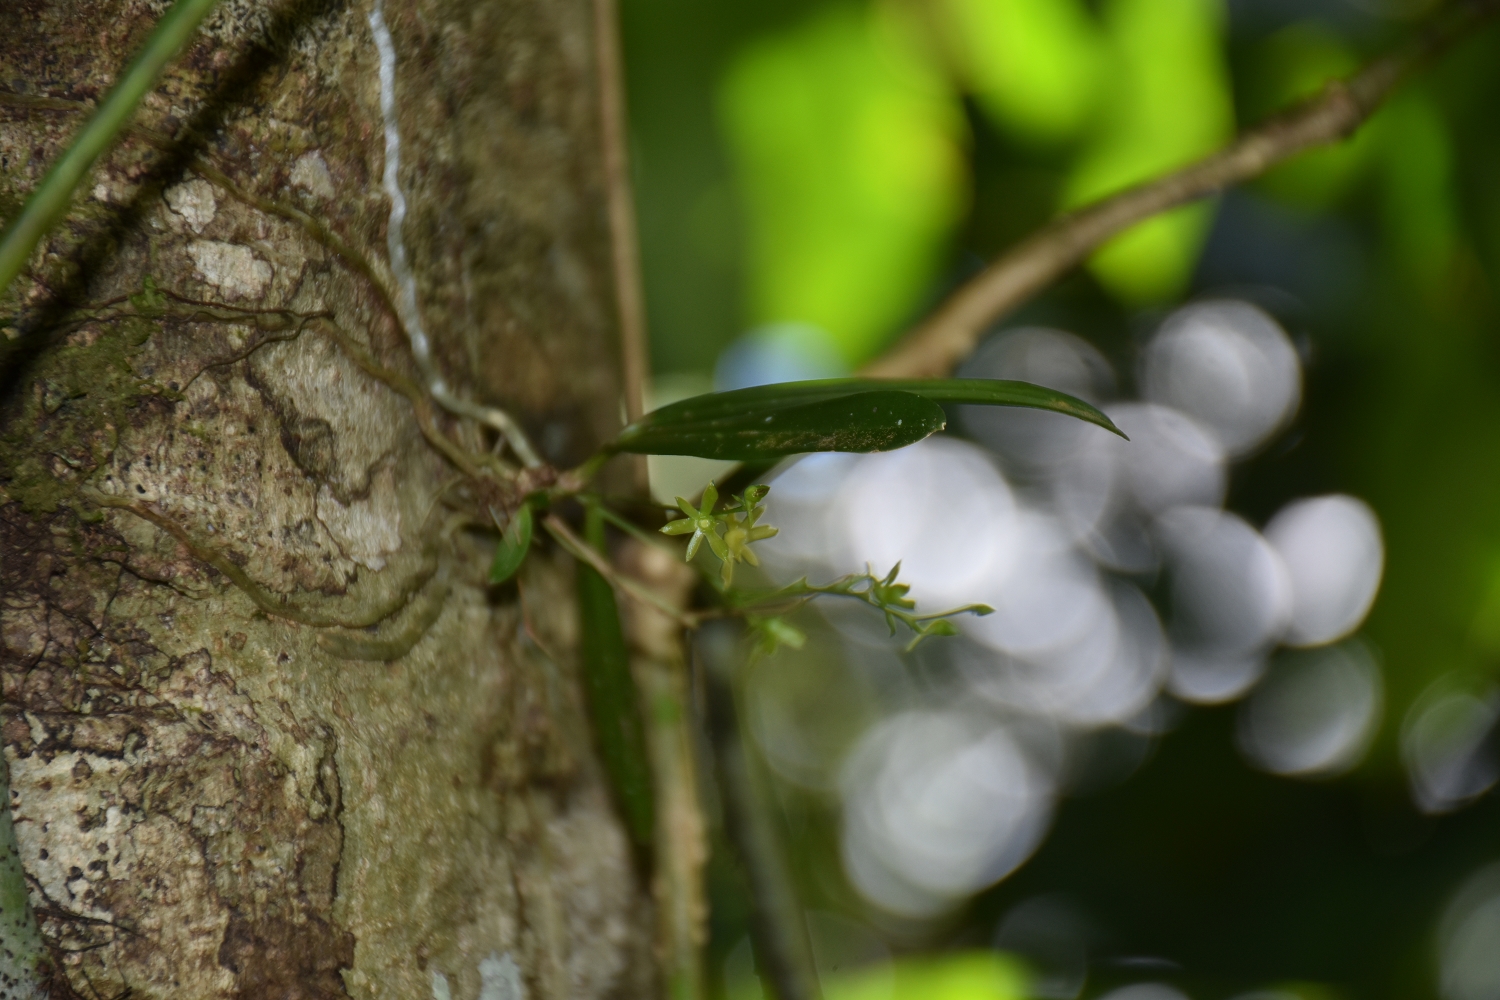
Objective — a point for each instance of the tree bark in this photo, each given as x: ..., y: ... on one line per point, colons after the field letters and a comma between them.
x: 208, y: 802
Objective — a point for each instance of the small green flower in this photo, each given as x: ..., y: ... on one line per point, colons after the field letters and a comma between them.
x: 750, y: 499
x: 738, y: 538
x: 702, y: 522
x: 738, y: 524
x: 887, y: 594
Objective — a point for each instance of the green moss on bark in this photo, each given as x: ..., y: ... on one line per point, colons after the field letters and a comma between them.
x: 71, y: 403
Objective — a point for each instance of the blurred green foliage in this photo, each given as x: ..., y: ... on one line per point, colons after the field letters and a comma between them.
x: 1036, y: 67
x: 1293, y: 65
x: 767, y: 193
x: 971, y: 975
x: 1167, y: 104
x: 962, y: 975
x: 848, y: 154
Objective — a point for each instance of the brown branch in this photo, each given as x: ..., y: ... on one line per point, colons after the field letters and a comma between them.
x: 936, y: 346
x: 614, y: 138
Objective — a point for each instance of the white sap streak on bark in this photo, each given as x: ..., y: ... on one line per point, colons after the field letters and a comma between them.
x: 406, y: 282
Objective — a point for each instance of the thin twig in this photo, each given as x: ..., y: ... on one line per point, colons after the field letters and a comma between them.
x: 614, y: 137
x: 575, y: 546
x: 653, y: 540
x: 936, y: 346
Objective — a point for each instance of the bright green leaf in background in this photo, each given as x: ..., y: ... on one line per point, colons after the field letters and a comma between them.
x: 1037, y: 67
x: 962, y: 975
x: 1294, y: 64
x: 849, y: 150
x: 848, y: 139
x: 1167, y: 103
x: 971, y: 975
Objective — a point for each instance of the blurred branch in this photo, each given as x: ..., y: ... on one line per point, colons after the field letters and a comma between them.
x: 615, y: 140
x: 778, y: 926
x: 936, y: 346
x: 680, y: 845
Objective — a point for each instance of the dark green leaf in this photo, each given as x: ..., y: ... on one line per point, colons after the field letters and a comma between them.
x: 731, y: 423
x: 613, y: 704
x: 515, y: 542
x: 748, y: 430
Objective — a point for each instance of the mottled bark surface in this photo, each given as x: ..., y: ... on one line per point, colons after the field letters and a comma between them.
x: 209, y: 804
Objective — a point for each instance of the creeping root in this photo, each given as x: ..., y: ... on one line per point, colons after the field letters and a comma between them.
x: 277, y: 605
x: 396, y: 643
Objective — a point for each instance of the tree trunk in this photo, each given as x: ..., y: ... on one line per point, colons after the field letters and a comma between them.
x: 212, y: 799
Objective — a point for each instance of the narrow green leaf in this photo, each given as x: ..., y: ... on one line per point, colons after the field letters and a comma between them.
x: 515, y: 542
x: 769, y: 421
x: 613, y: 704
x: 1007, y: 392
x: 752, y: 429
x: 49, y: 201
x: 23, y: 951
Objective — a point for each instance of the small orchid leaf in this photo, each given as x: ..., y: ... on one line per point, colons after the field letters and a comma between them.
x: 877, y: 420
x: 773, y: 632
x: 515, y: 542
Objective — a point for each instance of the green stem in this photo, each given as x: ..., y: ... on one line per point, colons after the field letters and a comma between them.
x: 630, y: 528
x: 22, y: 952
x: 49, y: 202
